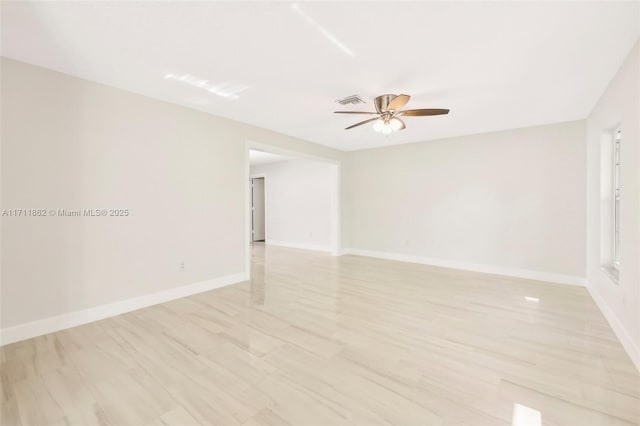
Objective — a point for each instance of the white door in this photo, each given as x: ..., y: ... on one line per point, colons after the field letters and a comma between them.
x: 257, y: 209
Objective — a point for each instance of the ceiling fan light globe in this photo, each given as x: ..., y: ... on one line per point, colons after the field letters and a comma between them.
x: 395, y: 124
x: 378, y: 125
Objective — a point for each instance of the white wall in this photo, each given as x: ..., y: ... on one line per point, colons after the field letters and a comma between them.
x: 71, y: 144
x: 300, y: 203
x: 509, y: 202
x: 619, y: 105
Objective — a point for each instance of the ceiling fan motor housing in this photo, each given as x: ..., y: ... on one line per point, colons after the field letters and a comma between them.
x: 382, y: 102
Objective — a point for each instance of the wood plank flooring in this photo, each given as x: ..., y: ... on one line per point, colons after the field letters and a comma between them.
x: 321, y: 340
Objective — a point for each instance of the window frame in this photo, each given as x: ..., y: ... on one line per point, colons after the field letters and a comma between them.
x: 616, y: 192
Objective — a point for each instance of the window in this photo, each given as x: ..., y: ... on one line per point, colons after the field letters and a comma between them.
x: 616, y: 196
x: 610, y: 194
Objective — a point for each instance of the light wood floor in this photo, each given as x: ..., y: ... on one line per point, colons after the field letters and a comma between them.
x: 320, y: 340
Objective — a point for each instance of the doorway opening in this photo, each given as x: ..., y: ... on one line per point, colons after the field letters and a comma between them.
x: 292, y: 200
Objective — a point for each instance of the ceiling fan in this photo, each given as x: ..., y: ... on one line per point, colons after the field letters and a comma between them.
x: 388, y: 113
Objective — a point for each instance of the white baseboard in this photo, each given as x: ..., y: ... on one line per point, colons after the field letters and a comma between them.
x: 620, y: 331
x: 299, y: 245
x: 73, y: 319
x: 476, y: 267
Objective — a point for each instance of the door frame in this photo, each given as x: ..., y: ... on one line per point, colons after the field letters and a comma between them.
x: 263, y: 176
x: 336, y: 217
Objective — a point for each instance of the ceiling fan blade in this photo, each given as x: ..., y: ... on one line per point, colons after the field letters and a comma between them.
x: 423, y: 112
x: 362, y: 122
x: 398, y: 102
x: 402, y: 125
x: 353, y: 112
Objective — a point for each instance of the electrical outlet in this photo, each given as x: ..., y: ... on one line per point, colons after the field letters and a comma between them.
x: 181, y: 266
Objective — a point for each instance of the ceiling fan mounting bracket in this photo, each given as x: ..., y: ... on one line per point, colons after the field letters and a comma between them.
x: 382, y: 102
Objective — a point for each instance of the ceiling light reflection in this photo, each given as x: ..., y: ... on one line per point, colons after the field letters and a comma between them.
x: 333, y: 39
x: 228, y: 89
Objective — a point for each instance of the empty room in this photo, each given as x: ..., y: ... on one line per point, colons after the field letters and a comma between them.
x: 319, y: 213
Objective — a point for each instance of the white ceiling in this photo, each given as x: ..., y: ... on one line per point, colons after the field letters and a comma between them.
x: 281, y: 66
x: 261, y: 157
